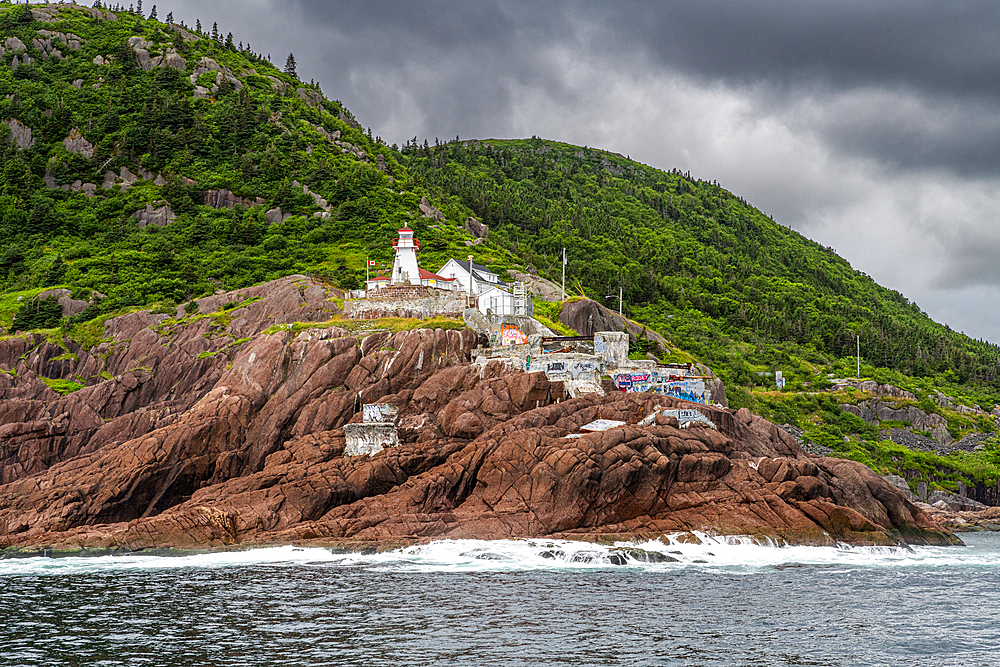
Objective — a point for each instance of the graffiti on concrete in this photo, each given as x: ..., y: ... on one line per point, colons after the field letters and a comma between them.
x: 688, y: 390
x: 511, y: 334
x: 379, y: 413
x: 683, y: 416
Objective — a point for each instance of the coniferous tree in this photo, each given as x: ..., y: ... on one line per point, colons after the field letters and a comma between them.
x: 229, y: 42
x: 215, y: 31
x: 197, y: 26
x: 289, y: 64
x: 152, y: 13
x: 139, y: 6
x: 170, y: 18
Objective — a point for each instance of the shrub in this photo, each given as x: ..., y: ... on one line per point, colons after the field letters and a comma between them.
x: 38, y: 314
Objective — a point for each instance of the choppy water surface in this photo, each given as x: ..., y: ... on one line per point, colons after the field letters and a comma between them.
x: 725, y: 602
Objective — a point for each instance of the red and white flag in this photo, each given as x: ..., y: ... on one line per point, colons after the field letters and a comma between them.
x: 371, y: 263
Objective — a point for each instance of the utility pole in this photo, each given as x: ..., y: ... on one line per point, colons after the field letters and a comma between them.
x: 470, y: 277
x: 564, y: 275
x: 859, y: 356
x: 620, y: 299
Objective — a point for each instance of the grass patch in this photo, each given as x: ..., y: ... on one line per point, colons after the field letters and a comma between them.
x: 558, y: 327
x: 61, y: 386
x: 226, y: 348
x: 89, y: 335
x: 391, y: 324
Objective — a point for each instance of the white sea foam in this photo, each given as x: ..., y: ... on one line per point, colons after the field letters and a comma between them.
x: 78, y: 564
x: 729, y: 554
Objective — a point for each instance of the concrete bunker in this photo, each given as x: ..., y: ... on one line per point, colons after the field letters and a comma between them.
x: 376, y: 431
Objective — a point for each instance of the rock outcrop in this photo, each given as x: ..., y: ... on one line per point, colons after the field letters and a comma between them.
x: 19, y: 133
x: 76, y: 143
x: 67, y: 303
x: 875, y: 411
x: 153, y: 215
x: 225, y: 426
x: 428, y: 211
x: 227, y: 199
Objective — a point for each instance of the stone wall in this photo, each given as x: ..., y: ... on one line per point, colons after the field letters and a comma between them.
x: 407, y: 301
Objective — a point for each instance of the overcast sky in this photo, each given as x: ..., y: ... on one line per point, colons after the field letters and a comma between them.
x: 871, y: 127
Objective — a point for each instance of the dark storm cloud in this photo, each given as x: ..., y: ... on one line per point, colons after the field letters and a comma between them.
x: 946, y: 56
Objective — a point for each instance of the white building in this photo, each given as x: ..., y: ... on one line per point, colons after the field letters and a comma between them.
x: 404, y: 267
x: 498, y: 301
x: 406, y: 271
x: 482, y: 278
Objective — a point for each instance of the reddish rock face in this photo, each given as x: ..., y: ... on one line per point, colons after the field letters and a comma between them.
x: 244, y: 444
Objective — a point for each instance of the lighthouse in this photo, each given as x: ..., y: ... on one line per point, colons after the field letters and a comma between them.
x: 404, y: 268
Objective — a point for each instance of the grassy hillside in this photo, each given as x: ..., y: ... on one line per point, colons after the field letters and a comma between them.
x: 260, y: 132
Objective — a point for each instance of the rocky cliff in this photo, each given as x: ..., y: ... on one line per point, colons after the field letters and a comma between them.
x: 225, y: 426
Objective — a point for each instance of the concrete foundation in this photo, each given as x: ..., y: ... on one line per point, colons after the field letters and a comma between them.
x: 581, y: 372
x: 407, y: 301
x: 369, y: 439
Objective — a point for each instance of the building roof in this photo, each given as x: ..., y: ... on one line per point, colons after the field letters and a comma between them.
x: 475, y: 267
x: 478, y: 276
x: 378, y: 278
x: 427, y: 275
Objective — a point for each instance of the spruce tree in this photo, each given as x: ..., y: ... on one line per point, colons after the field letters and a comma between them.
x: 170, y: 18
x: 139, y: 6
x: 197, y: 26
x: 229, y: 42
x: 215, y: 31
x: 290, y: 65
x: 152, y: 13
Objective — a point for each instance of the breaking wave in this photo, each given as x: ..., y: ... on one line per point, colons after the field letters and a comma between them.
x: 672, y: 553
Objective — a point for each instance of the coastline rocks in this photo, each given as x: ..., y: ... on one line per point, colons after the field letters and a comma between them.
x: 227, y: 427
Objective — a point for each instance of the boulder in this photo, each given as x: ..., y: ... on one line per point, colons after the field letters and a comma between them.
x: 14, y: 44
x: 429, y: 211
x: 76, y: 143
x: 477, y: 229
x: 69, y: 305
x: 19, y: 133
x: 174, y: 60
x: 226, y: 199
x: 310, y: 97
x: 151, y: 215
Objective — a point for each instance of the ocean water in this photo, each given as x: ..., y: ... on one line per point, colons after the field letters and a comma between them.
x: 519, y: 602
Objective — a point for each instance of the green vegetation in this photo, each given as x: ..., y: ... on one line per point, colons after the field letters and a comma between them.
x: 390, y: 324
x: 256, y: 135
x: 63, y: 386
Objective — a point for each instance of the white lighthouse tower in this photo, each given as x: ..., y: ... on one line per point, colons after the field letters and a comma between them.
x: 404, y: 268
